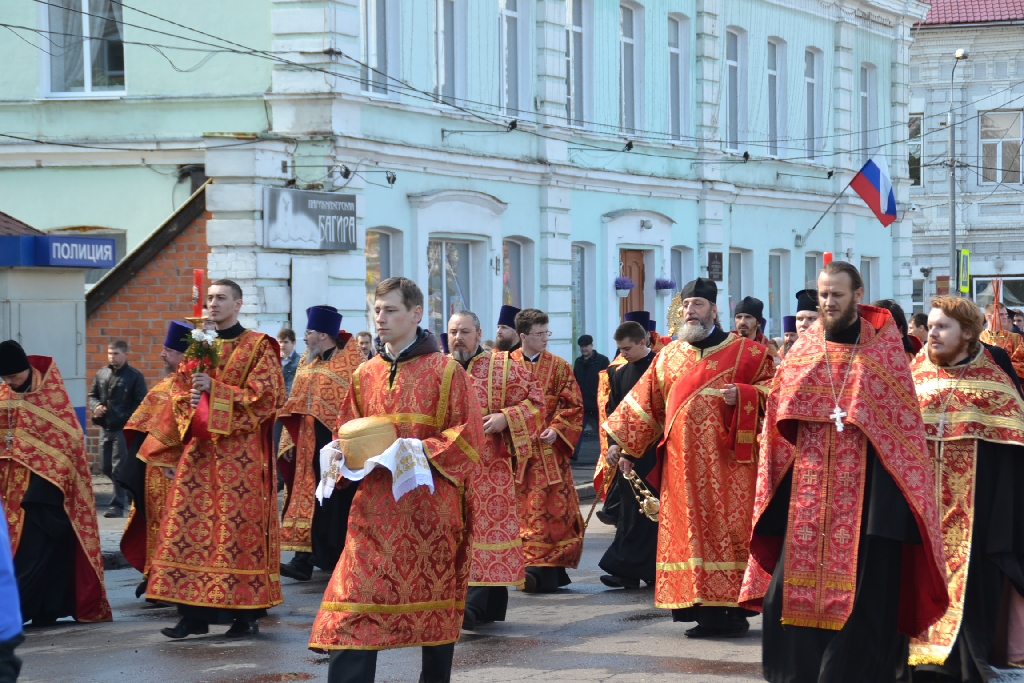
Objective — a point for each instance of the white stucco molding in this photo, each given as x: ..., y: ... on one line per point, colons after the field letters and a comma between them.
x: 640, y: 213
x: 424, y: 200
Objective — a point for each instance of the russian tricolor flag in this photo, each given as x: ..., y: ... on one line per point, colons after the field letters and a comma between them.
x: 874, y: 186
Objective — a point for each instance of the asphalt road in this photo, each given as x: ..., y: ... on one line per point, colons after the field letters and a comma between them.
x: 583, y: 633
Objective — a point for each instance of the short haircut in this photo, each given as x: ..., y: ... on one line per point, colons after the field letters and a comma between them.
x: 631, y: 330
x: 286, y: 334
x: 412, y: 295
x: 469, y: 314
x: 1015, y: 312
x: 528, y: 317
x: 897, y: 313
x: 965, y: 312
x: 919, y: 320
x: 837, y: 267
x: 235, y: 288
x: 991, y: 306
x: 119, y: 344
x: 364, y: 333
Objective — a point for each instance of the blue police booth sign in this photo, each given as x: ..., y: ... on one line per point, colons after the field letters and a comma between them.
x: 73, y: 251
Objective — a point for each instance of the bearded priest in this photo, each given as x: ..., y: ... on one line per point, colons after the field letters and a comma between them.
x: 402, y: 577
x: 699, y: 403
x: 316, y: 532
x: 845, y: 521
x: 218, y: 556
x: 510, y: 402
x: 154, y: 443
x: 47, y: 494
x: 974, y: 418
x: 550, y: 520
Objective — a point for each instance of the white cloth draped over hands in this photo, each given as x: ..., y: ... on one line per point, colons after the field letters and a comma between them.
x: 405, y: 459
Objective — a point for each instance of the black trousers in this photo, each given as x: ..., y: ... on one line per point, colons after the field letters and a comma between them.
x: 360, y: 666
x: 488, y: 603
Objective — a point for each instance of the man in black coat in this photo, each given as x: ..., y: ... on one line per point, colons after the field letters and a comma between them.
x: 117, y: 390
x: 587, y: 370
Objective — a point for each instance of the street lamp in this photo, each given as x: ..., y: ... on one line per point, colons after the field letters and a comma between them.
x: 958, y: 56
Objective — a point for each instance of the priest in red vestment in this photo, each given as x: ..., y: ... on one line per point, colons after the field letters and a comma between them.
x: 402, y: 577
x: 549, y: 509
x: 510, y: 402
x: 217, y: 557
x: 998, y: 332
x: 155, y: 447
x: 47, y: 494
x: 974, y: 418
x: 846, y: 550
x: 699, y: 403
x: 315, y: 531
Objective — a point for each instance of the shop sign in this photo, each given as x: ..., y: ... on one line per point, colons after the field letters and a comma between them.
x: 301, y: 219
x: 72, y: 251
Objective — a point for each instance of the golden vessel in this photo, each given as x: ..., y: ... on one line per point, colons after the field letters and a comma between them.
x: 650, y: 506
x: 363, y: 438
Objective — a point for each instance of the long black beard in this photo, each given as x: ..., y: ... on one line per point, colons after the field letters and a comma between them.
x: 504, y: 344
x: 837, y: 325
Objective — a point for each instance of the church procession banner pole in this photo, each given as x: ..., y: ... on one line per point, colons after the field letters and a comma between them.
x: 801, y: 240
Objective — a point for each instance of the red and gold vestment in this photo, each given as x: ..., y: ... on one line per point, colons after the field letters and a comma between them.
x: 403, y: 575
x: 961, y: 405
x: 218, y: 542
x: 501, y: 386
x: 706, y: 469
x: 1011, y: 342
x: 154, y: 422
x: 603, y: 472
x: 40, y: 434
x: 829, y: 467
x: 317, y: 392
x: 549, y: 509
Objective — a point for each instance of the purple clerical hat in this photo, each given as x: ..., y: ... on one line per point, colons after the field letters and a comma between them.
x: 788, y: 323
x: 177, y: 335
x: 507, y: 316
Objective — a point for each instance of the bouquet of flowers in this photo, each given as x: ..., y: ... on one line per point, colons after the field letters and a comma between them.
x: 203, y: 352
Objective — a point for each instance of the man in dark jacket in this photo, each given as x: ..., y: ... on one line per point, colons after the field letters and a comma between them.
x: 587, y: 369
x: 116, y: 392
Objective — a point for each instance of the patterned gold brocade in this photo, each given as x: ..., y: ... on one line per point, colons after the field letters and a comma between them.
x: 706, y: 492
x: 1012, y: 343
x: 550, y: 522
x: 48, y: 441
x: 403, y: 575
x: 219, y: 544
x: 317, y: 392
x: 828, y: 477
x: 154, y: 422
x: 973, y: 402
x: 603, y: 472
x: 501, y: 386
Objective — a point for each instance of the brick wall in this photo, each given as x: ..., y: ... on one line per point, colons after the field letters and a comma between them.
x: 139, y: 311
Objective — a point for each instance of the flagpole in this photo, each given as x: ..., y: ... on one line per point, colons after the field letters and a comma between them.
x: 801, y: 240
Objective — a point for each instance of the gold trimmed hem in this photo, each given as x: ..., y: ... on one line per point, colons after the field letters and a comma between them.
x: 508, y: 545
x: 497, y: 584
x: 323, y: 648
x: 693, y: 603
x: 177, y: 601
x: 374, y: 608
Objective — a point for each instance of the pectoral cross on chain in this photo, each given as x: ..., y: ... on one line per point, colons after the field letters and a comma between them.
x: 940, y: 426
x: 838, y: 414
x: 9, y: 439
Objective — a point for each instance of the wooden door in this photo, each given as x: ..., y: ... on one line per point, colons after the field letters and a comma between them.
x: 631, y: 265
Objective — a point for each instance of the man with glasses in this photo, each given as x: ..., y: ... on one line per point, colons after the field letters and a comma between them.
x: 549, y: 509
x: 997, y: 332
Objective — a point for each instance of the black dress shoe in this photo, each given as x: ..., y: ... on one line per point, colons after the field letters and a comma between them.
x: 113, y: 512
x: 707, y: 632
x: 605, y: 518
x: 241, y: 628
x: 187, y: 627
x: 140, y: 590
x: 297, y: 571
x: 620, y: 581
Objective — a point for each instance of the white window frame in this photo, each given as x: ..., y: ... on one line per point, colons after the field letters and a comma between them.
x: 784, y: 304
x: 678, y: 109
x: 819, y: 263
x: 746, y: 276
x: 46, y: 47
x: 446, y: 49
x: 627, y: 70
x: 681, y: 265
x: 871, y: 281
x: 914, y: 144
x: 510, y: 103
x: 1001, y: 173
x: 372, y: 82
x: 735, y: 123
x: 813, y: 90
x: 577, y: 63
x: 917, y: 298
x: 868, y: 108
x: 776, y: 80
x: 472, y: 248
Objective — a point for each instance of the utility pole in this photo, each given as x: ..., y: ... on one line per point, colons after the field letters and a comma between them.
x: 954, y: 284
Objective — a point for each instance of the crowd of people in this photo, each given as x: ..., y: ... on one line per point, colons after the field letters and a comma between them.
x: 857, y: 482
